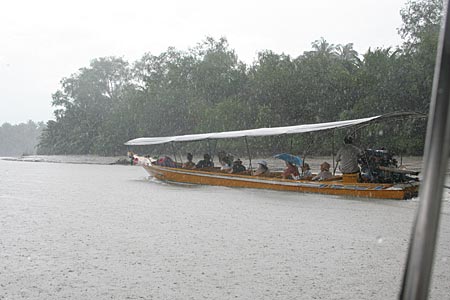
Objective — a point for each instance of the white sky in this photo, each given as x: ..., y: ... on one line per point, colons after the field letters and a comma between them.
x: 45, y: 40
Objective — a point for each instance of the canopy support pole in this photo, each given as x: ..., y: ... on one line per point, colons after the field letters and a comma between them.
x: 174, y: 152
x: 306, y: 151
x: 214, y: 151
x: 332, y: 151
x: 164, y: 150
x: 248, y: 152
x: 209, y: 147
x: 419, y: 264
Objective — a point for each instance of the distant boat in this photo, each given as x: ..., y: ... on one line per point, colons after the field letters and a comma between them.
x: 404, y: 187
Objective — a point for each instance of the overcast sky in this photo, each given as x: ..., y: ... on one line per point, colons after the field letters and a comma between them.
x: 43, y: 41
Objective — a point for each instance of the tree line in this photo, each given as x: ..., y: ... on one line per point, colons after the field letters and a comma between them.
x: 20, y: 139
x: 207, y: 88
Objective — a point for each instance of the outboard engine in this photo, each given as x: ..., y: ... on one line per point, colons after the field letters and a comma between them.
x: 370, y: 164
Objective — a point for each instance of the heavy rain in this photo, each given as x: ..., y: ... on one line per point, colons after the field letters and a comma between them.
x: 191, y: 170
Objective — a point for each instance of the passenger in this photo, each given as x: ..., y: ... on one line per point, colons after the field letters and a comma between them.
x: 225, y: 160
x: 166, y: 161
x: 133, y: 160
x: 290, y: 172
x: 306, y: 172
x: 348, y: 157
x: 324, y: 173
x: 238, y: 167
x: 189, y: 164
x: 226, y: 164
x: 221, y: 154
x: 205, y: 162
x: 262, y: 170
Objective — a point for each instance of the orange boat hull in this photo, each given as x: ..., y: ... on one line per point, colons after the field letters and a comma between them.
x: 338, y: 187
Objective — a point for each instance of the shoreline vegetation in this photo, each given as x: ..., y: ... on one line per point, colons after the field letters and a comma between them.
x: 207, y: 89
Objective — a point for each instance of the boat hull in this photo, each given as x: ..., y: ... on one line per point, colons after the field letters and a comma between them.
x: 338, y: 187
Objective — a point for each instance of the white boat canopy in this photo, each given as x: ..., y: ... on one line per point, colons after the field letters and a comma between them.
x: 264, y: 131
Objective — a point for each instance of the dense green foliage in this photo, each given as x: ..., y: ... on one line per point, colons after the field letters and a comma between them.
x: 20, y: 139
x: 208, y: 88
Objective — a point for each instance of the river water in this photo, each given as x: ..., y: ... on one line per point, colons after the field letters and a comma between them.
x: 97, y: 231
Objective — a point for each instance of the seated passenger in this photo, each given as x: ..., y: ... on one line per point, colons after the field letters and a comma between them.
x: 166, y: 161
x: 225, y: 160
x: 324, y: 173
x: 262, y: 169
x: 290, y: 172
x: 237, y: 167
x: 205, y: 162
x: 306, y: 172
x: 189, y: 164
x: 348, y: 157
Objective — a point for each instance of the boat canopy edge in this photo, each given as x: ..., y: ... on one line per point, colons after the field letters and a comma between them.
x: 305, y: 128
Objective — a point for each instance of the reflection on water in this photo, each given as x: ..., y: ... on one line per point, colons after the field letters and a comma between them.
x: 85, y: 231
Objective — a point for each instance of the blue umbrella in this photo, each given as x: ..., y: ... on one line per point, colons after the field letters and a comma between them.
x: 290, y: 158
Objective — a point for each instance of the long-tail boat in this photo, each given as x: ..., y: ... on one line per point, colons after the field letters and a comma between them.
x: 405, y: 188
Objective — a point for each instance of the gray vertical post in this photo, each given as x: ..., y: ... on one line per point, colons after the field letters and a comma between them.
x: 418, y: 270
x: 249, y: 155
x: 332, y: 152
x: 209, y: 149
x: 174, y: 152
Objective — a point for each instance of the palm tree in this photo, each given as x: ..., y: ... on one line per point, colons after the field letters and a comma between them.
x: 347, y: 53
x: 322, y: 48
